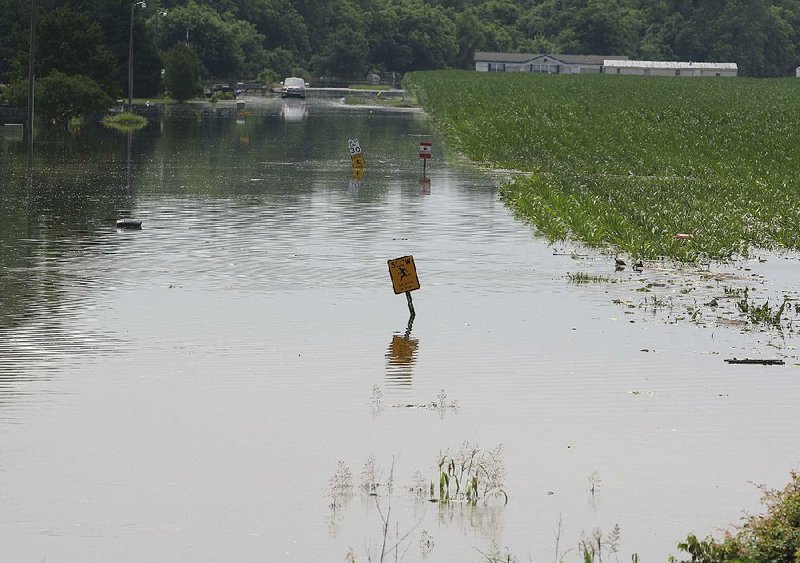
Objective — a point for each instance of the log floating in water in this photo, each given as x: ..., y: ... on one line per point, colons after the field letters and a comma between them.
x: 755, y: 361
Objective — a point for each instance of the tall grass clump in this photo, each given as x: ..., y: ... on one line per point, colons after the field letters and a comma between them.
x: 125, y: 121
x: 470, y: 474
x: 629, y: 161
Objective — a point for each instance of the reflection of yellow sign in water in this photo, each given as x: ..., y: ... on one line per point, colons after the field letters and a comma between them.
x: 358, y: 174
x: 404, y: 274
x: 358, y: 162
x: 402, y: 350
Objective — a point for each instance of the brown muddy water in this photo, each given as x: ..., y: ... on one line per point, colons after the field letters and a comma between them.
x: 186, y: 392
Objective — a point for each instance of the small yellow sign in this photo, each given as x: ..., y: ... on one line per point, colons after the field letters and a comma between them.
x: 358, y: 162
x: 404, y: 274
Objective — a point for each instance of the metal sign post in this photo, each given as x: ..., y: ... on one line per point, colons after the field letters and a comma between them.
x: 356, y: 155
x: 404, y: 278
x: 425, y: 153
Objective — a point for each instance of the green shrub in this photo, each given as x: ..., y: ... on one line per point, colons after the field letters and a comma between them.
x: 125, y: 121
x: 15, y: 93
x: 268, y: 77
x: 61, y: 97
x: 773, y: 536
x: 219, y: 96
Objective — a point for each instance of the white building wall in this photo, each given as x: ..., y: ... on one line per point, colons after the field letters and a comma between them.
x: 674, y: 68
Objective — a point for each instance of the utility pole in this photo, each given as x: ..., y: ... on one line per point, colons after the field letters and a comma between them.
x: 130, y: 56
x: 31, y: 76
x: 130, y: 63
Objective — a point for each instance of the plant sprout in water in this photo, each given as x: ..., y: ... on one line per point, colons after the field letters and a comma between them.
x: 471, y: 473
x: 594, y: 482
x: 376, y: 400
x: 369, y: 477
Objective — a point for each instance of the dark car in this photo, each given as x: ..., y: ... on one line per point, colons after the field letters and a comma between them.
x: 293, y: 87
x: 223, y: 89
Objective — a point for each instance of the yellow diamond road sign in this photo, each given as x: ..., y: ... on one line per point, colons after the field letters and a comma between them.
x: 404, y: 274
x: 358, y: 162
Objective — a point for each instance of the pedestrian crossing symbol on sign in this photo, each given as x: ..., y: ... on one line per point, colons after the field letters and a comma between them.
x: 404, y: 274
x: 358, y: 162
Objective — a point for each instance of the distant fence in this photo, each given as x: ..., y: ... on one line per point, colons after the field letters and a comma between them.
x: 392, y: 80
x: 12, y: 115
x: 12, y: 131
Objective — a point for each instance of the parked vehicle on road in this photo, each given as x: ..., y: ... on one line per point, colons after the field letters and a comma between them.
x: 293, y: 87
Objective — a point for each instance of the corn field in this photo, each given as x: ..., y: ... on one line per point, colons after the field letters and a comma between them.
x: 628, y: 162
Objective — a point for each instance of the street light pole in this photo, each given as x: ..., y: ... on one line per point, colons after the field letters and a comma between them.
x: 130, y: 56
x: 31, y: 76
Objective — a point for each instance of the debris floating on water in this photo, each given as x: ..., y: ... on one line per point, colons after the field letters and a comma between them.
x: 129, y: 224
x: 767, y: 362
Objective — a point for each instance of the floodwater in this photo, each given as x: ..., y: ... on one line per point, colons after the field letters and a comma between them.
x: 186, y: 392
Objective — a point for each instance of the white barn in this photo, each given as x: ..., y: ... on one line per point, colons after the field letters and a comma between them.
x: 669, y: 68
x: 540, y: 63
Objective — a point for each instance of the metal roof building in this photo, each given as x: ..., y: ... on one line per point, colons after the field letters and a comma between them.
x: 541, y: 63
x: 669, y: 68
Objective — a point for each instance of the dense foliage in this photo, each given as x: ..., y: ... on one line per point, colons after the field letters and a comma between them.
x: 181, y: 73
x: 240, y: 39
x: 61, y: 97
x: 632, y: 161
x: 773, y: 536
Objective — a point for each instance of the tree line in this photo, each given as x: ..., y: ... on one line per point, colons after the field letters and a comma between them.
x: 247, y: 39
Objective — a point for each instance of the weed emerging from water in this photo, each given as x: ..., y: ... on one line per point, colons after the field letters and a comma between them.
x: 369, y: 477
x: 419, y: 486
x: 393, y: 543
x: 594, y: 548
x: 583, y: 277
x: 764, y: 313
x: 340, y: 491
x: 733, y: 292
x: 495, y: 555
x: 471, y: 474
x: 440, y: 405
x: 594, y: 482
x: 426, y: 543
x: 342, y: 480
x: 376, y: 400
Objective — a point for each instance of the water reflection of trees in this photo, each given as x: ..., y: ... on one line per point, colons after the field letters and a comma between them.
x: 204, y: 143
x: 54, y: 208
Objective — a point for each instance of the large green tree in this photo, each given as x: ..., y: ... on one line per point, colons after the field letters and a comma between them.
x: 427, y: 34
x: 60, y: 97
x: 212, y: 38
x: 181, y: 73
x: 238, y: 39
